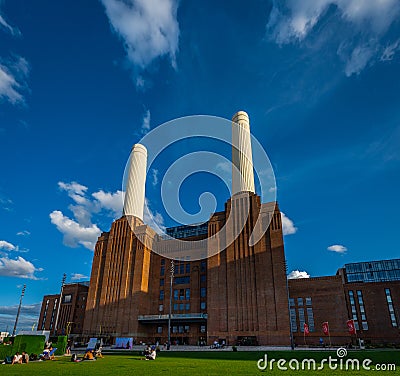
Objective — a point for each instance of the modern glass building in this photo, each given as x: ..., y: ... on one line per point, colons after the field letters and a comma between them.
x: 373, y: 271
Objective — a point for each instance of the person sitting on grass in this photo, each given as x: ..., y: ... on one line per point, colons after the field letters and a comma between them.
x: 89, y: 355
x: 152, y: 355
x: 98, y: 353
x: 17, y: 358
x: 25, y: 357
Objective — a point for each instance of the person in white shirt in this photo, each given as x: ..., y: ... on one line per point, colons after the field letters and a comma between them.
x: 17, y: 358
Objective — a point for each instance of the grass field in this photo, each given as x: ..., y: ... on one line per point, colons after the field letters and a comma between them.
x: 199, y: 363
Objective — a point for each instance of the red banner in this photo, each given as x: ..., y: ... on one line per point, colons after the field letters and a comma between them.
x: 306, y: 330
x: 351, y: 327
x: 325, y: 328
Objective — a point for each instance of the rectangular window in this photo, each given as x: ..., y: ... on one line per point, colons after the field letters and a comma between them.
x: 308, y: 301
x: 181, y: 294
x: 202, y: 328
x: 310, y: 318
x: 162, y: 261
x: 180, y: 328
x: 203, y: 292
x: 391, y: 308
x: 203, y: 266
x: 291, y: 302
x: 299, y: 301
x: 187, y: 307
x: 182, y: 280
x: 175, y: 306
x: 176, y: 294
x: 67, y: 298
x: 174, y: 329
x: 161, y: 307
x: 161, y: 294
x: 293, y: 322
x: 159, y: 329
x: 187, y: 268
x: 203, y: 278
x: 187, y: 328
x: 203, y: 305
x: 162, y: 270
x: 181, y: 306
x: 365, y: 325
x: 301, y: 319
x: 187, y: 294
x: 162, y: 282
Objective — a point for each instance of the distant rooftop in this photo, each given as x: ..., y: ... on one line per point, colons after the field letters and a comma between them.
x: 373, y: 271
x: 185, y: 231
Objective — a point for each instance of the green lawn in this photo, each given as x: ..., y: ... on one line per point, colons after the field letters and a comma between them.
x: 196, y: 364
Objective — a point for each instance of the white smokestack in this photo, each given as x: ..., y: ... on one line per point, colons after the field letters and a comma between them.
x: 242, y: 160
x: 135, y: 186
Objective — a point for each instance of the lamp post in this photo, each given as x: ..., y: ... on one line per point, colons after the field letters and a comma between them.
x: 19, y: 310
x: 290, y: 316
x: 59, y: 303
x: 170, y: 304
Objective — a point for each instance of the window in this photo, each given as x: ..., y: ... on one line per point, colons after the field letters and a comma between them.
x: 182, y: 280
x: 187, y: 294
x: 187, y: 268
x: 161, y: 307
x: 310, y: 318
x: 291, y: 302
x: 203, y: 278
x: 293, y: 322
x: 365, y: 325
x: 181, y: 306
x: 181, y: 294
x: 203, y: 292
x: 161, y: 294
x: 67, y: 298
x: 159, y: 329
x: 203, y: 305
x: 162, y: 261
x: 162, y: 282
x: 182, y: 268
x: 187, y: 307
x: 202, y: 328
x: 391, y: 308
x: 162, y: 270
x: 299, y: 301
x: 301, y: 319
x: 308, y: 301
x: 203, y: 266
x: 175, y: 306
x: 187, y: 328
x: 174, y: 329
x: 176, y: 294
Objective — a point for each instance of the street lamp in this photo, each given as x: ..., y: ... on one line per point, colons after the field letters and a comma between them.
x: 59, y: 303
x: 170, y: 304
x: 19, y: 310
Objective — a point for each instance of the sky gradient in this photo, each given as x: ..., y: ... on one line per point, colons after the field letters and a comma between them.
x: 81, y: 82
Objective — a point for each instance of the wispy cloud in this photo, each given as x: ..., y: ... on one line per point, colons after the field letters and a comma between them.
x: 78, y: 276
x: 148, y: 29
x: 7, y: 27
x: 288, y: 227
x: 7, y: 246
x: 296, y: 274
x: 154, y: 175
x: 13, y: 75
x: 356, y: 36
x: 337, y: 248
x: 145, y: 122
x: 23, y: 233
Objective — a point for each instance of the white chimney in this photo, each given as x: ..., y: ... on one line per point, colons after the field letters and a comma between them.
x: 136, y: 181
x: 242, y: 160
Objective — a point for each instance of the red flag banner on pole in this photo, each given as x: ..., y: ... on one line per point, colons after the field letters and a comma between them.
x: 306, y: 329
x: 351, y: 327
x: 325, y: 328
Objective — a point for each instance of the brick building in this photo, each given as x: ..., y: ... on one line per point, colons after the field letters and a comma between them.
x: 72, y: 310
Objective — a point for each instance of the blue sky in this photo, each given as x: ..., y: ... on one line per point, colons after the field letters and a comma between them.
x: 80, y: 82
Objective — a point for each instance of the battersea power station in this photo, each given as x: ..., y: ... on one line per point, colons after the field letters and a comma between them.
x: 223, y: 280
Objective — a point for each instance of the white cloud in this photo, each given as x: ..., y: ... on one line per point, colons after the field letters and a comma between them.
x: 154, y: 175
x: 23, y: 233
x: 7, y: 246
x: 13, y: 76
x: 110, y: 201
x: 18, y: 267
x: 337, y: 248
x: 288, y: 227
x: 296, y: 274
x: 146, y: 122
x: 148, y: 28
x: 361, y: 25
x: 153, y: 219
x: 78, y: 276
x: 74, y: 233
